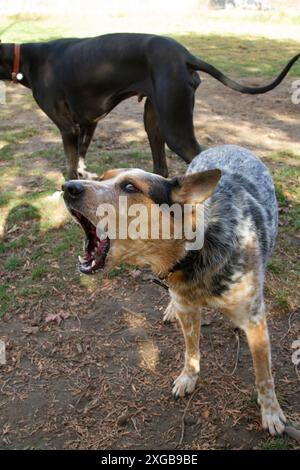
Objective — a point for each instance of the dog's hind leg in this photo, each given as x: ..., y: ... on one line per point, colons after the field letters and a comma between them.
x: 156, y: 140
x: 174, y: 101
x: 190, y: 324
x: 85, y: 137
x: 258, y: 338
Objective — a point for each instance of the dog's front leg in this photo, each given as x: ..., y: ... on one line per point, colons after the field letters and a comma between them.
x: 86, y: 135
x: 273, y: 418
x: 170, y: 312
x: 190, y: 324
x: 71, y: 148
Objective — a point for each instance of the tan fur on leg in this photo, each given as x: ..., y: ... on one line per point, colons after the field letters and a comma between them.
x: 83, y: 173
x: 186, y: 382
x: 258, y: 339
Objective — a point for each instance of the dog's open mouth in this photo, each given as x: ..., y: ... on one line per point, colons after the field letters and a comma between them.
x: 95, y: 249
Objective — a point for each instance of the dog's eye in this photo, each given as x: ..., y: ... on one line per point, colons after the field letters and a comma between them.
x: 129, y: 188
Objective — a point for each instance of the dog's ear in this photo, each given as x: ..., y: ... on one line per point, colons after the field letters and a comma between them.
x: 196, y: 187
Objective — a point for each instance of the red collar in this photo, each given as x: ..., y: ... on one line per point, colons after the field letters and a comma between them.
x: 16, y: 66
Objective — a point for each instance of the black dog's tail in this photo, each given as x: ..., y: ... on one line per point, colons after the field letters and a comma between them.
x: 198, y: 64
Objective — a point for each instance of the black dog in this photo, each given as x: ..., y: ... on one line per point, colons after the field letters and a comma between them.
x: 76, y: 82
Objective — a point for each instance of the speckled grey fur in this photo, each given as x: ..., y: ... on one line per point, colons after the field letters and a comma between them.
x: 241, y: 167
x: 243, y: 205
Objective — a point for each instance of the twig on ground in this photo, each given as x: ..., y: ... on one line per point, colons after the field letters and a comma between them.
x: 290, y: 326
x: 237, y: 351
x: 297, y: 372
x: 127, y: 310
x: 237, y: 354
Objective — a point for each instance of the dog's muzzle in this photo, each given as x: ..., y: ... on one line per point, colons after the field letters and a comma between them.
x: 95, y: 248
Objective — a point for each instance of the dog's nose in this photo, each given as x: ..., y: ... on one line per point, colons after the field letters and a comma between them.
x: 74, y: 188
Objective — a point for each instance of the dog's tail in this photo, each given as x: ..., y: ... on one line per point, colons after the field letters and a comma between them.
x: 199, y: 64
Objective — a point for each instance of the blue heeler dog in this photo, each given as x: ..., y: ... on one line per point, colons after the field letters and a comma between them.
x: 227, y: 273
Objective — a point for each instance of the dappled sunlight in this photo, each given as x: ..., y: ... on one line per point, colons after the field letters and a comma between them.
x: 263, y: 123
x: 149, y: 354
x: 135, y: 320
x: 127, y: 138
x: 248, y: 135
x: 288, y: 156
x: 3, y: 216
x: 55, y: 177
x: 10, y: 181
x: 91, y: 283
x: 53, y: 213
x: 287, y: 119
x: 148, y: 351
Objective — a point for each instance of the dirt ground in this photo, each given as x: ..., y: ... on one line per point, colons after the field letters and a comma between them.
x: 99, y: 374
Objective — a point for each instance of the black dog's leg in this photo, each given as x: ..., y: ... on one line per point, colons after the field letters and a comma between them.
x: 86, y: 135
x: 156, y: 140
x: 71, y: 148
x: 175, y: 103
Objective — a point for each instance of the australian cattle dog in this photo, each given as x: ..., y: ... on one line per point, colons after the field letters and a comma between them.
x: 227, y: 273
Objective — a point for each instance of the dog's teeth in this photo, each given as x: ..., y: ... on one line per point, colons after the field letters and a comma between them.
x: 93, y: 263
x: 81, y: 259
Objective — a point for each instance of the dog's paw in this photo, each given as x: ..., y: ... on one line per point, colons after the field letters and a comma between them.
x: 184, y: 384
x: 273, y: 420
x: 169, y: 313
x: 86, y: 175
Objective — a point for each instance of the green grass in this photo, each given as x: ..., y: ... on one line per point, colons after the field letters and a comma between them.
x: 22, y: 212
x: 136, y: 154
x: 39, y: 271
x: 38, y: 253
x: 242, y: 55
x: 281, y: 198
x: 26, y: 28
x: 12, y: 136
x: 275, y: 266
x: 281, y: 299
x: 7, y: 299
x: 21, y: 242
x: 61, y: 248
x: 12, y: 263
x: 284, y: 266
x: 118, y: 270
x: 4, y: 292
x: 287, y: 181
x: 30, y: 291
x: 278, y: 16
x: 276, y: 443
x: 5, y: 197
